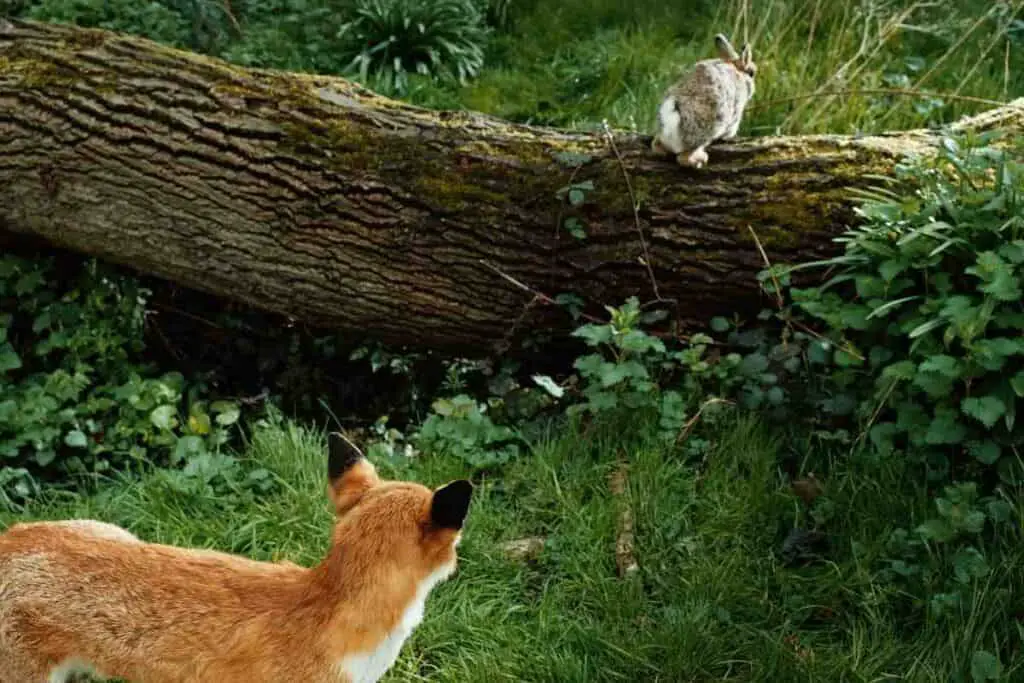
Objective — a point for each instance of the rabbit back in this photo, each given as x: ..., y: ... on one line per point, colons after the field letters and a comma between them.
x: 703, y: 106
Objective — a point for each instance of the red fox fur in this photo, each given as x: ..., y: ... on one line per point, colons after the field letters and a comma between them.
x: 85, y: 596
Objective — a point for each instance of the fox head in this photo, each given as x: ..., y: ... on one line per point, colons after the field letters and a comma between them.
x: 400, y: 525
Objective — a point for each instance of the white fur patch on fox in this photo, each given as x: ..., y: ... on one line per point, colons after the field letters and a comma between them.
x: 371, y: 666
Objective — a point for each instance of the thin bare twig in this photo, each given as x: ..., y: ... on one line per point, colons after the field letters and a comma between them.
x: 636, y: 209
x: 768, y: 264
x: 541, y: 296
x: 779, y: 302
x: 692, y: 422
x: 874, y: 416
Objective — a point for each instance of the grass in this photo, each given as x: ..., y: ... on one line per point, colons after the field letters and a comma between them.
x: 576, y: 62
x: 712, y: 601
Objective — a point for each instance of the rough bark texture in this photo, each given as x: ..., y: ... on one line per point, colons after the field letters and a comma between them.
x: 313, y: 197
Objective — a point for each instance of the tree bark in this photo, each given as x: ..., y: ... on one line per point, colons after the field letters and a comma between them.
x: 313, y: 197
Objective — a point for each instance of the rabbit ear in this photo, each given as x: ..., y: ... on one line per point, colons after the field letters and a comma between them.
x: 725, y: 48
x: 748, y: 55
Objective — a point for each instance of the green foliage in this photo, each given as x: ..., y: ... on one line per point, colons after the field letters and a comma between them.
x: 461, y: 427
x: 391, y: 39
x: 152, y: 19
x: 929, y: 291
x: 74, y: 398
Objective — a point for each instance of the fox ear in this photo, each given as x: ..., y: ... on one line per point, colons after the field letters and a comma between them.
x: 342, y: 454
x: 450, y: 504
x: 348, y: 472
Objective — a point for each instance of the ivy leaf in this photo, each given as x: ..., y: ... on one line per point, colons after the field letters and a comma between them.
x: 9, y: 359
x: 938, y: 530
x: 719, y: 324
x: 969, y: 564
x: 753, y: 364
x: 985, y: 452
x: 999, y: 511
x: 985, y: 666
x: 1017, y: 382
x: 76, y: 438
x: 986, y: 409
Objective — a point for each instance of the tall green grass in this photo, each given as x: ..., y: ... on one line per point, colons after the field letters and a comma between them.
x: 825, y: 66
x: 711, y: 601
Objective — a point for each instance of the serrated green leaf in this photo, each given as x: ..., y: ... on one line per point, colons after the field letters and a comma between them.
x: 594, y: 335
x: 947, y: 366
x: 945, y: 429
x: 985, y: 409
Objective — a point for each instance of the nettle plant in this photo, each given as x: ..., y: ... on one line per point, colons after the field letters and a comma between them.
x: 927, y: 303
x: 74, y: 396
x: 923, y: 322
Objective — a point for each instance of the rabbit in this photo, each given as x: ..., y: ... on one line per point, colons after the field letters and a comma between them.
x: 705, y: 105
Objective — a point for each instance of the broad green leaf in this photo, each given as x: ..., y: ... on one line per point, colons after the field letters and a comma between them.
x: 945, y: 429
x: 186, y: 447
x: 944, y: 365
x: 985, y: 666
x: 938, y: 530
x: 985, y: 452
x: 228, y: 417
x: 595, y: 335
x: 1017, y: 382
x: 9, y: 359
x: 76, y: 438
x: 164, y: 417
x: 969, y: 565
x: 985, y: 409
x: 720, y: 324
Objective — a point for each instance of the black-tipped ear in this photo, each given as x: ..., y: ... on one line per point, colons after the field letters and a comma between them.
x: 341, y: 455
x: 450, y: 504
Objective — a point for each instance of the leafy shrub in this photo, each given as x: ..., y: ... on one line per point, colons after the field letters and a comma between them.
x: 391, y: 39
x: 74, y: 397
x: 926, y: 305
x: 152, y: 19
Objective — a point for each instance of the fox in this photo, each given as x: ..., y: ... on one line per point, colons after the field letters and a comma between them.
x: 89, y: 597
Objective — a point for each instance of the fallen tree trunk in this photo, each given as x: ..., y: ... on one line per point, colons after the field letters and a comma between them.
x: 313, y: 197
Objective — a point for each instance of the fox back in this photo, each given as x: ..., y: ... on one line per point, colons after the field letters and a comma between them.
x: 86, y: 596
